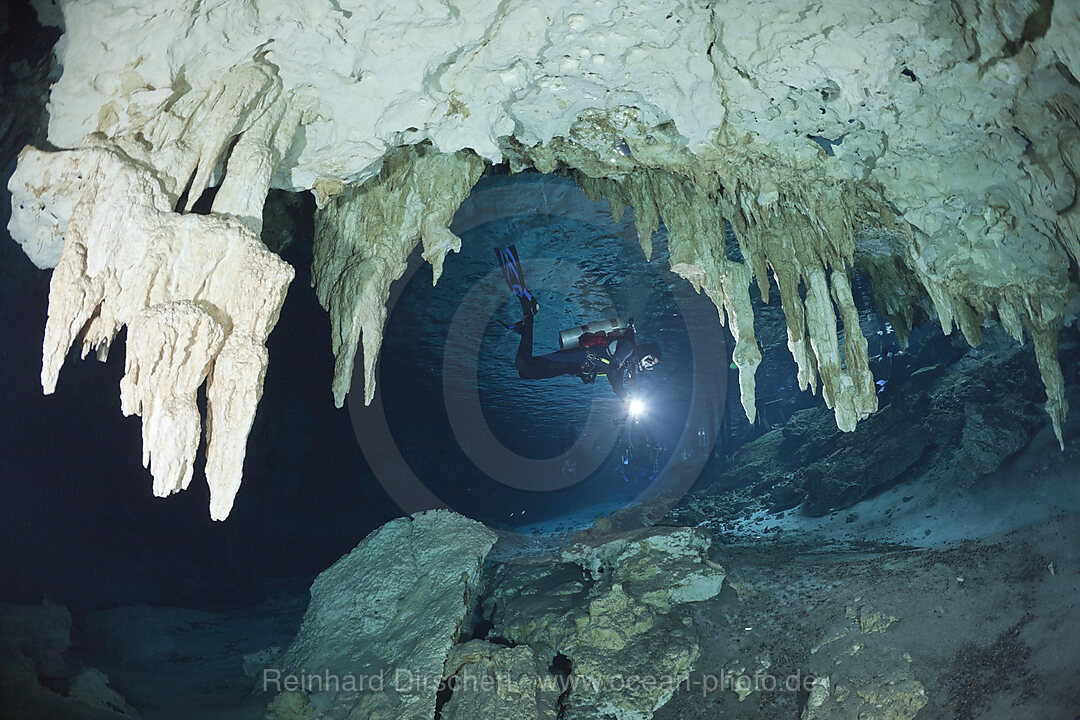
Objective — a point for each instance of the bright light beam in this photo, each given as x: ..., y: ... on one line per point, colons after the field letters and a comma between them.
x: 636, y: 408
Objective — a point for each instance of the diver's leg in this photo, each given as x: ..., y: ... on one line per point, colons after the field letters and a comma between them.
x: 529, y: 306
x: 525, y: 346
x: 536, y: 368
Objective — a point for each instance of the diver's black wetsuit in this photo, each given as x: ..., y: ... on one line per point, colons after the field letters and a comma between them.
x: 585, y: 363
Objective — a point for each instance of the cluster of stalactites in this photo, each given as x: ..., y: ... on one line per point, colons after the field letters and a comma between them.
x: 803, y: 241
x: 199, y: 294
x: 1033, y: 305
x: 363, y: 239
x: 235, y: 133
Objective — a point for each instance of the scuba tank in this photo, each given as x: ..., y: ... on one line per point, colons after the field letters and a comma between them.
x: 572, y: 337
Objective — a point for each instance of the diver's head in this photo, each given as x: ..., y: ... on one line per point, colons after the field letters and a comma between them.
x: 649, y: 354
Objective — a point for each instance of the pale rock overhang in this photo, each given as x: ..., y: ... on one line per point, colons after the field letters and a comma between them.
x: 933, y: 147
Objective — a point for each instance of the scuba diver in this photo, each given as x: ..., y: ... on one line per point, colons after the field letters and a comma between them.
x: 605, y: 348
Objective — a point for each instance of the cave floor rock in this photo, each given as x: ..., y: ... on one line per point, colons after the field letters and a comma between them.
x: 983, y: 628
x: 860, y: 613
x: 1038, y: 482
x: 177, y: 663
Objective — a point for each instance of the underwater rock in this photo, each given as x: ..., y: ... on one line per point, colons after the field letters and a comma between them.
x: 495, y: 681
x: 383, y: 619
x: 864, y: 682
x: 954, y: 422
x: 661, y: 567
x: 696, y: 114
x: 614, y: 609
x: 860, y: 674
x: 39, y: 679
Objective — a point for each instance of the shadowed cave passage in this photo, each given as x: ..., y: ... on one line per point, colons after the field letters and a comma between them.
x: 582, y: 265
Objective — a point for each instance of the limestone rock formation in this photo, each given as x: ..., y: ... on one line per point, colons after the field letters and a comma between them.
x: 386, y: 616
x: 615, y: 610
x: 494, y: 681
x: 955, y: 420
x: 663, y: 567
x: 864, y: 677
x: 198, y: 293
x: 363, y: 238
x: 38, y: 677
x: 951, y: 131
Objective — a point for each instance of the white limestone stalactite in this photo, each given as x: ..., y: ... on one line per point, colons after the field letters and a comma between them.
x: 200, y: 293
x: 255, y: 156
x: 170, y: 347
x: 698, y: 252
x: 1044, y: 332
x: 727, y: 284
x: 863, y: 396
x: 232, y: 396
x: 956, y: 122
x: 696, y: 241
x: 1035, y: 302
x: 188, y: 138
x: 805, y: 239
x: 803, y: 232
x: 363, y: 238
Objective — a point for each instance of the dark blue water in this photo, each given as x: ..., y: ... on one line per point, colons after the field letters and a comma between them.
x: 491, y: 445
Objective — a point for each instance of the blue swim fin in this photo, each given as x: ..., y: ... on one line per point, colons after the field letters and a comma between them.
x: 515, y: 278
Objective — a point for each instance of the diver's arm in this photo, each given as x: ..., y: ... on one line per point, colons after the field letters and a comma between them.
x: 624, y: 351
x: 615, y: 377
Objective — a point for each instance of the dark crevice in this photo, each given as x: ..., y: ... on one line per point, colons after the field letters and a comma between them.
x: 182, y: 200
x: 1035, y: 27
x: 479, y: 631
x: 1027, y: 140
x: 561, y: 667
x: 1067, y: 74
x: 446, y: 691
x: 59, y: 685
x: 1038, y: 22
x: 826, y: 144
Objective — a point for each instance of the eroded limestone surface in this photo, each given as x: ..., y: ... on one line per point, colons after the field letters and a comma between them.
x: 363, y: 238
x: 387, y: 615
x: 615, y: 608
x: 495, y: 681
x: 199, y: 295
x: 40, y: 678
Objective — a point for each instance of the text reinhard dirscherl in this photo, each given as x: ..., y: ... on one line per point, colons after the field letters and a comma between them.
x: 404, y: 682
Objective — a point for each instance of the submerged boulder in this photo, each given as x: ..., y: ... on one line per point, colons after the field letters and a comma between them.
x: 38, y: 676
x: 382, y: 621
x: 495, y: 681
x: 610, y: 610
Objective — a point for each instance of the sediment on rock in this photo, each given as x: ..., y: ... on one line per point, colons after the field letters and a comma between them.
x: 610, y: 603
